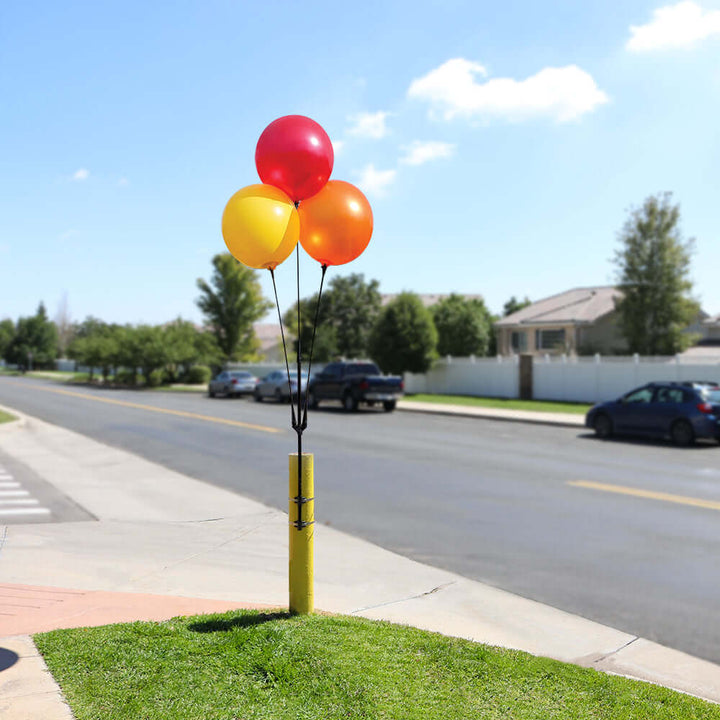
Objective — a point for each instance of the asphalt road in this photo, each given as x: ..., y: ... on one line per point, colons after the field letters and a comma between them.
x: 626, y: 533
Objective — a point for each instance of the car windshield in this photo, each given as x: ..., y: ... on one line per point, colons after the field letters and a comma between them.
x: 241, y: 375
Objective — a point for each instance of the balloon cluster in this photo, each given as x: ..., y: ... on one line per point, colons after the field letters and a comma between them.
x: 296, y: 201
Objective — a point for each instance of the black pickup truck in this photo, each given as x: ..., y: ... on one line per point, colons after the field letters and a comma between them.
x: 353, y: 383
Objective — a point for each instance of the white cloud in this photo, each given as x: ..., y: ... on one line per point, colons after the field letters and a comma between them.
x: 674, y: 26
x: 564, y: 93
x: 418, y: 153
x: 369, y: 125
x: 375, y: 182
x: 81, y: 174
x: 338, y: 146
x: 123, y: 182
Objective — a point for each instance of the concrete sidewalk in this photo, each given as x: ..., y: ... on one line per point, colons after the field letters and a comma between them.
x: 525, y: 416
x: 165, y: 544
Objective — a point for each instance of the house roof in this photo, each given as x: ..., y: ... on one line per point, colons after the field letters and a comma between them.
x: 578, y: 306
x: 268, y: 335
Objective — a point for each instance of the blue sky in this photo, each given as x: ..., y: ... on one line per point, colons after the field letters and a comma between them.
x: 501, y: 145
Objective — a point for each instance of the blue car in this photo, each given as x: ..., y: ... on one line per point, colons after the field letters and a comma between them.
x: 682, y: 411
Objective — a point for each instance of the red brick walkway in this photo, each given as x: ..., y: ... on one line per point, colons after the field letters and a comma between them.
x: 26, y: 609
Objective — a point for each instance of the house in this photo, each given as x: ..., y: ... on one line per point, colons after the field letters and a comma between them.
x: 577, y: 321
x: 270, y: 339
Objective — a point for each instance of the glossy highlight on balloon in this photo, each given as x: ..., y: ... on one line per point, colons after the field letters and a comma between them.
x: 260, y: 226
x: 336, y: 224
x: 295, y: 154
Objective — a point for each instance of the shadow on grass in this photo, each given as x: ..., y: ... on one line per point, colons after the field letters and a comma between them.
x: 221, y: 625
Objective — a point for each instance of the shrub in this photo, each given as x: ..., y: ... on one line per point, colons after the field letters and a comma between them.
x: 80, y: 378
x: 156, y: 377
x: 198, y: 375
x: 123, y: 377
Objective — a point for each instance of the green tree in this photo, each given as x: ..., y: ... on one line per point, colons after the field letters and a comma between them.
x: 404, y: 337
x: 187, y: 346
x: 513, y: 305
x: 94, y: 345
x: 653, y: 273
x: 231, y: 304
x: 464, y: 326
x: 348, y: 311
x: 152, y: 352
x: 34, y: 343
x: 352, y: 308
x: 7, y: 332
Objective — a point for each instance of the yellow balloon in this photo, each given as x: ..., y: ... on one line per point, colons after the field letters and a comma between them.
x: 260, y: 225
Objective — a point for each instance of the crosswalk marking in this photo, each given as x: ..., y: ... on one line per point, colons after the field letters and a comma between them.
x: 16, y: 501
x: 24, y: 511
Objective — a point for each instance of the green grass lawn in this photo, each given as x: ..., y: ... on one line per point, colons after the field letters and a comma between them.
x: 538, y: 405
x: 6, y: 417
x: 248, y: 665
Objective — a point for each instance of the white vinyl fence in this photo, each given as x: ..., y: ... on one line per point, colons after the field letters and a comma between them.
x: 563, y: 378
x: 484, y: 377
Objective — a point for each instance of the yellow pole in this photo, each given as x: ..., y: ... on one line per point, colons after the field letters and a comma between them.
x: 302, y: 596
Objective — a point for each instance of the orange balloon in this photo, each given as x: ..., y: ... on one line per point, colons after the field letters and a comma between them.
x: 335, y: 224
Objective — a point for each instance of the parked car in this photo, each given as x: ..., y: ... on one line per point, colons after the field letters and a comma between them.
x: 682, y: 411
x: 353, y: 383
x: 232, y: 383
x: 275, y: 385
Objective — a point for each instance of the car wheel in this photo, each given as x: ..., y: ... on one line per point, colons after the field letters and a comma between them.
x: 389, y: 405
x: 278, y: 395
x: 682, y: 433
x: 211, y: 393
x: 603, y: 426
x: 258, y: 397
x: 312, y: 401
x: 350, y: 402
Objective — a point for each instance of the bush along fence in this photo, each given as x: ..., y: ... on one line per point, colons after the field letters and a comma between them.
x: 562, y: 378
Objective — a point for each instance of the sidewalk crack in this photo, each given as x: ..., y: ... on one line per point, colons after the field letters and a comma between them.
x: 401, y: 600
x: 194, y: 555
x: 615, y: 652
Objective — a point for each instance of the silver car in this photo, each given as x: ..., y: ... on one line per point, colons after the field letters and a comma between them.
x: 275, y: 385
x: 232, y: 383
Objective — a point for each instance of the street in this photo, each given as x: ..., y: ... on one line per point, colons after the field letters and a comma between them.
x: 548, y: 513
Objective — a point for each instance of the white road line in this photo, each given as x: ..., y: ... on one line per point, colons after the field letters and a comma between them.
x: 29, y: 501
x: 7, y: 484
x: 13, y: 493
x: 5, y: 476
x: 24, y: 511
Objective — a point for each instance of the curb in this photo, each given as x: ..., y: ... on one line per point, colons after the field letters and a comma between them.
x: 479, y: 414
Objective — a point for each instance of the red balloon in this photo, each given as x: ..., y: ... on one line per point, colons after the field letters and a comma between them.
x: 295, y: 154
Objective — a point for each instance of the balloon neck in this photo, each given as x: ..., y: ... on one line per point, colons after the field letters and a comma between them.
x: 270, y: 266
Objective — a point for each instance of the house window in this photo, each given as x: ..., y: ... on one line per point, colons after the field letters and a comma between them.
x: 518, y: 341
x: 549, y: 339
